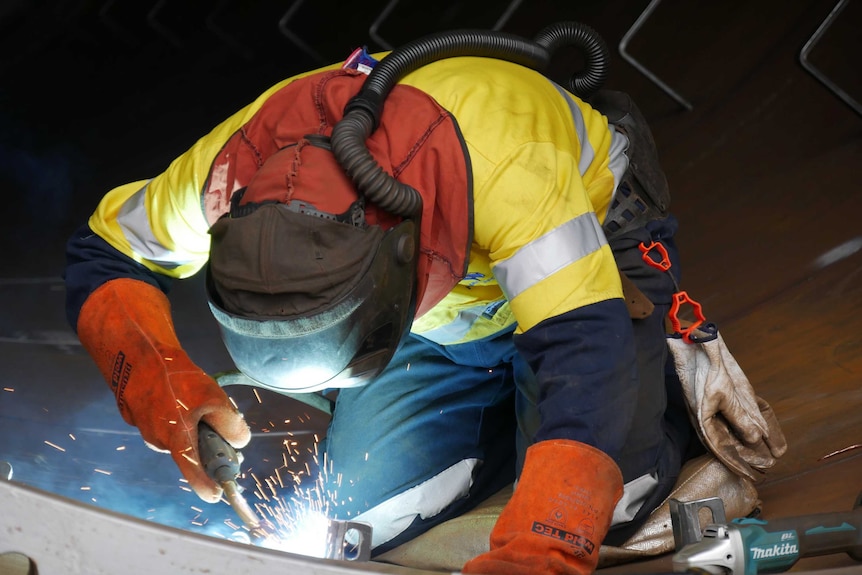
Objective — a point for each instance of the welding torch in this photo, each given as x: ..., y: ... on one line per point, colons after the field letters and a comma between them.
x: 222, y: 463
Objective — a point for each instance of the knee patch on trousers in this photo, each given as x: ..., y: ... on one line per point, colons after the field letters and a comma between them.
x: 449, y: 545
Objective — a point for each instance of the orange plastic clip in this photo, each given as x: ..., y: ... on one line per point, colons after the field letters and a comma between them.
x: 663, y: 264
x: 680, y: 298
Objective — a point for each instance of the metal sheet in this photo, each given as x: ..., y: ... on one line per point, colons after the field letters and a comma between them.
x: 65, y: 537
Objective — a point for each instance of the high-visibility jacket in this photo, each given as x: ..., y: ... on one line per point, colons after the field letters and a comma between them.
x: 543, y: 167
x: 540, y: 168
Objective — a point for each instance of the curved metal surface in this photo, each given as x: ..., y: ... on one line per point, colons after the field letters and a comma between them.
x: 62, y: 536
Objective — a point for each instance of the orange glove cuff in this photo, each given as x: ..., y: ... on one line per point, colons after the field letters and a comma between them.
x: 558, y: 516
x: 126, y: 327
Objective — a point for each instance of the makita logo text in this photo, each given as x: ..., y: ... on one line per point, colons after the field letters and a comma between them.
x: 774, y: 551
x: 570, y: 538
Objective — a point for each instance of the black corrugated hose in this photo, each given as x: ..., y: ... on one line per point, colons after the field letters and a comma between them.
x: 362, y: 113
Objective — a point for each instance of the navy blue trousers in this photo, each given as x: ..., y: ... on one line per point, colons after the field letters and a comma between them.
x: 444, y: 427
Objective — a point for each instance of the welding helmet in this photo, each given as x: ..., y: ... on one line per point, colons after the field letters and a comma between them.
x: 307, y: 298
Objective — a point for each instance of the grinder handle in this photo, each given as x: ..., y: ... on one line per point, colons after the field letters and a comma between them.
x: 822, y: 533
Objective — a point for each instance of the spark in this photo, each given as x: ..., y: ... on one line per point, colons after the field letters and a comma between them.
x: 102, y: 471
x: 9, y: 389
x: 233, y: 403
x: 121, y: 448
x: 183, y: 405
x: 256, y: 394
x: 72, y: 436
x: 85, y: 488
x: 189, y: 458
x: 197, y: 509
x: 297, y: 514
x: 271, y: 484
x: 840, y: 451
x: 231, y: 524
x: 295, y: 500
x: 54, y: 445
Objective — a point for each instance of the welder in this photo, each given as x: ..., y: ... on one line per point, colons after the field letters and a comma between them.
x: 455, y: 273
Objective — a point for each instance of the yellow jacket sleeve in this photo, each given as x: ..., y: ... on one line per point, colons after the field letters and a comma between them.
x: 545, y: 166
x: 160, y: 222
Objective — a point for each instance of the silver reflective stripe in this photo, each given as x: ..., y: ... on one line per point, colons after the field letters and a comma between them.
x: 587, y: 152
x: 393, y: 516
x: 457, y: 329
x: 135, y: 223
x: 635, y: 492
x: 618, y: 162
x: 550, y: 253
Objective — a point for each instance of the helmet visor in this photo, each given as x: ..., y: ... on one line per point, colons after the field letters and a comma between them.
x: 342, y: 344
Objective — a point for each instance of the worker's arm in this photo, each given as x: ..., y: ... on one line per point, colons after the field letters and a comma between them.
x: 552, y: 260
x: 536, y: 218
x: 90, y: 262
x: 585, y: 364
x: 119, y: 268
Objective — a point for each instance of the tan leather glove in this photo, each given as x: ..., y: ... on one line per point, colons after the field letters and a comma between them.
x: 736, y: 425
x: 126, y: 327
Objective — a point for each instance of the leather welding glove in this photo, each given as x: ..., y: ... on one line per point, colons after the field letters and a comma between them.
x: 560, y: 512
x: 126, y: 327
x: 736, y: 425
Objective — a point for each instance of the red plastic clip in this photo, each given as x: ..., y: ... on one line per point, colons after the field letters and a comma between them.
x: 678, y: 299
x: 663, y: 264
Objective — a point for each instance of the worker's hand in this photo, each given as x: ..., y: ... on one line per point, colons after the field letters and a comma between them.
x: 560, y: 513
x: 167, y: 414
x: 736, y: 425
x: 126, y: 327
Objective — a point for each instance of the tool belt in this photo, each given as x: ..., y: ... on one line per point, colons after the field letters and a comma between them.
x: 643, y: 193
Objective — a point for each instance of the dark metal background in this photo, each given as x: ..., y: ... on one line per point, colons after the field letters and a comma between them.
x: 762, y: 153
